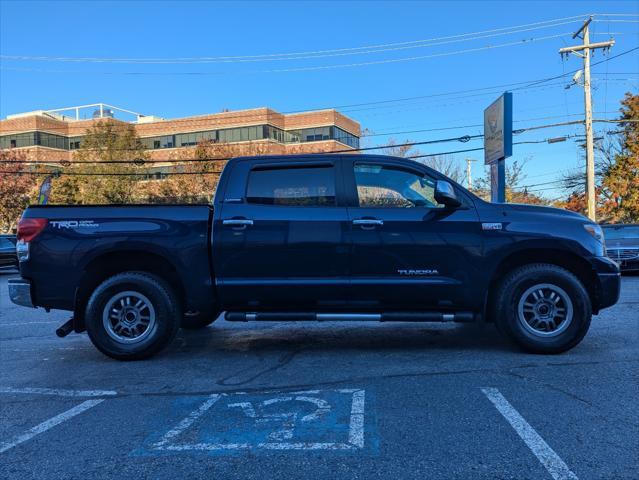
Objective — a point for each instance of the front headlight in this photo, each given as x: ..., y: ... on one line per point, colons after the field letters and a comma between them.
x: 595, y: 230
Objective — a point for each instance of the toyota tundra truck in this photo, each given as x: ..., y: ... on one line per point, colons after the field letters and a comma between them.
x: 316, y: 237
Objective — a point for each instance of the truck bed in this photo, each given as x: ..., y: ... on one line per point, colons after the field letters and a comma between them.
x: 80, y: 239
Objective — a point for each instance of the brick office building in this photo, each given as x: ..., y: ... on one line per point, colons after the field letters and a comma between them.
x: 53, y: 135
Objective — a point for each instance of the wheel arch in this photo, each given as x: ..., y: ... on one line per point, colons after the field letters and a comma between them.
x: 111, y: 263
x: 572, y: 262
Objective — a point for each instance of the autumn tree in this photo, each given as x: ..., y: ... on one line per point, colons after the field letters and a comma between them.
x: 195, y: 179
x: 616, y: 171
x: 16, y: 188
x: 621, y: 180
x: 93, y: 179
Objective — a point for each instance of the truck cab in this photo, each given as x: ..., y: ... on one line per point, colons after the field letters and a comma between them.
x: 348, y: 233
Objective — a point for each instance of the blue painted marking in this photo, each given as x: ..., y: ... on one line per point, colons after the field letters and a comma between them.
x: 234, y: 424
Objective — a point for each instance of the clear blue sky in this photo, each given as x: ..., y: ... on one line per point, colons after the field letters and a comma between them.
x: 171, y: 30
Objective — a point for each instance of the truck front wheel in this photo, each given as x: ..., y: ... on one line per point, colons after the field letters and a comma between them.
x: 544, y: 308
x: 132, y: 316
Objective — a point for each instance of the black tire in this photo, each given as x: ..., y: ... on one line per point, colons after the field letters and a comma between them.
x: 552, y: 291
x: 201, y: 319
x: 164, y: 309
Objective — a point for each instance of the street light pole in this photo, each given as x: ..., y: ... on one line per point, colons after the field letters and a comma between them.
x: 468, y: 172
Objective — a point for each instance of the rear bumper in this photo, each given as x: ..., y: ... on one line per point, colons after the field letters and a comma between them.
x: 609, y: 282
x: 20, y: 292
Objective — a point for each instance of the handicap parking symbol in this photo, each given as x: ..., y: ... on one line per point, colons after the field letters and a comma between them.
x: 304, y: 420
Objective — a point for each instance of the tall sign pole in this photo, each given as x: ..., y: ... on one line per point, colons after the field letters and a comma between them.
x: 498, y: 143
x: 586, y: 47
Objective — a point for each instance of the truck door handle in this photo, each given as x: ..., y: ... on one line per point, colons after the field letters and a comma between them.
x: 237, y: 222
x: 368, y: 223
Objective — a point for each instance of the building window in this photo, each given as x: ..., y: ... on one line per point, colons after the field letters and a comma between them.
x: 344, y: 137
x: 228, y: 135
x: 75, y: 143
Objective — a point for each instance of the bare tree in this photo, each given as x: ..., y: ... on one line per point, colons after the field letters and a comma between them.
x: 515, y: 193
x: 400, y: 149
x: 445, y: 164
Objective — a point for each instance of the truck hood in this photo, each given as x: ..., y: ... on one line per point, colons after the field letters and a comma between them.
x: 537, y: 209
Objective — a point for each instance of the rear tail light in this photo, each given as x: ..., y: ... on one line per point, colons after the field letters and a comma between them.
x: 30, y: 228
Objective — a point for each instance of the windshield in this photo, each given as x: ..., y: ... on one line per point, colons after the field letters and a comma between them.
x: 619, y: 232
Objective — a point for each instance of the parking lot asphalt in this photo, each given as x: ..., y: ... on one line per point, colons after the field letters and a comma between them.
x: 320, y: 400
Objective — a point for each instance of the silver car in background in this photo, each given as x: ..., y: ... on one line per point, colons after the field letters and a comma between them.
x: 622, y: 245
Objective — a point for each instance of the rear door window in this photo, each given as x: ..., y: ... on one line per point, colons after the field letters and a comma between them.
x: 294, y: 186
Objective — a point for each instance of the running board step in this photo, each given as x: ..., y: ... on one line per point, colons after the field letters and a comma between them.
x: 362, y: 317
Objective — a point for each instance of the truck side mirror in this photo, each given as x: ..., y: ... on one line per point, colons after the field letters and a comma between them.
x: 445, y: 194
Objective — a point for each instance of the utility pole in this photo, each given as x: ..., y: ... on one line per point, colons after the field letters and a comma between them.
x: 468, y: 172
x: 586, y: 47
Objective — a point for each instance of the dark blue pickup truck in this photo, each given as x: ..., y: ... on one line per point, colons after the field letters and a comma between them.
x: 316, y: 237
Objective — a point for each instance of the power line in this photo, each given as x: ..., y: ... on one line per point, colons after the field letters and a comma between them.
x: 446, y: 153
x: 317, y: 53
x: 617, y: 21
x: 255, y: 116
x: 148, y: 174
x: 309, y: 54
x: 575, y: 71
x: 140, y: 162
x: 110, y: 174
x: 462, y: 138
x: 522, y: 85
x: 312, y: 68
x: 212, y: 60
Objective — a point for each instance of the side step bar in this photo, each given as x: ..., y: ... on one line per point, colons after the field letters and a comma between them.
x: 363, y: 317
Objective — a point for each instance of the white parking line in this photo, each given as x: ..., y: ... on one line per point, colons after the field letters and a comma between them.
x: 26, y: 323
x: 59, y: 392
x: 546, y: 455
x: 188, y: 421
x: 356, y: 431
x: 46, y: 425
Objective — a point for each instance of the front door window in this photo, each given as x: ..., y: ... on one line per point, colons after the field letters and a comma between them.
x: 392, y: 187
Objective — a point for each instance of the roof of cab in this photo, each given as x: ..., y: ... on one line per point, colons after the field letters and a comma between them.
x: 313, y: 157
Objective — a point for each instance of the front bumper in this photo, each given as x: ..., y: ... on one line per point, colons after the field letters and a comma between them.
x: 609, y: 279
x: 20, y: 292
x: 629, y: 265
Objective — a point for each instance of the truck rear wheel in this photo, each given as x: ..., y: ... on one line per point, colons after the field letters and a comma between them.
x: 543, y: 308
x: 132, y: 316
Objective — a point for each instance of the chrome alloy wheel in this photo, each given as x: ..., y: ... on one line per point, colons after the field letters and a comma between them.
x: 129, y: 317
x: 545, y: 310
